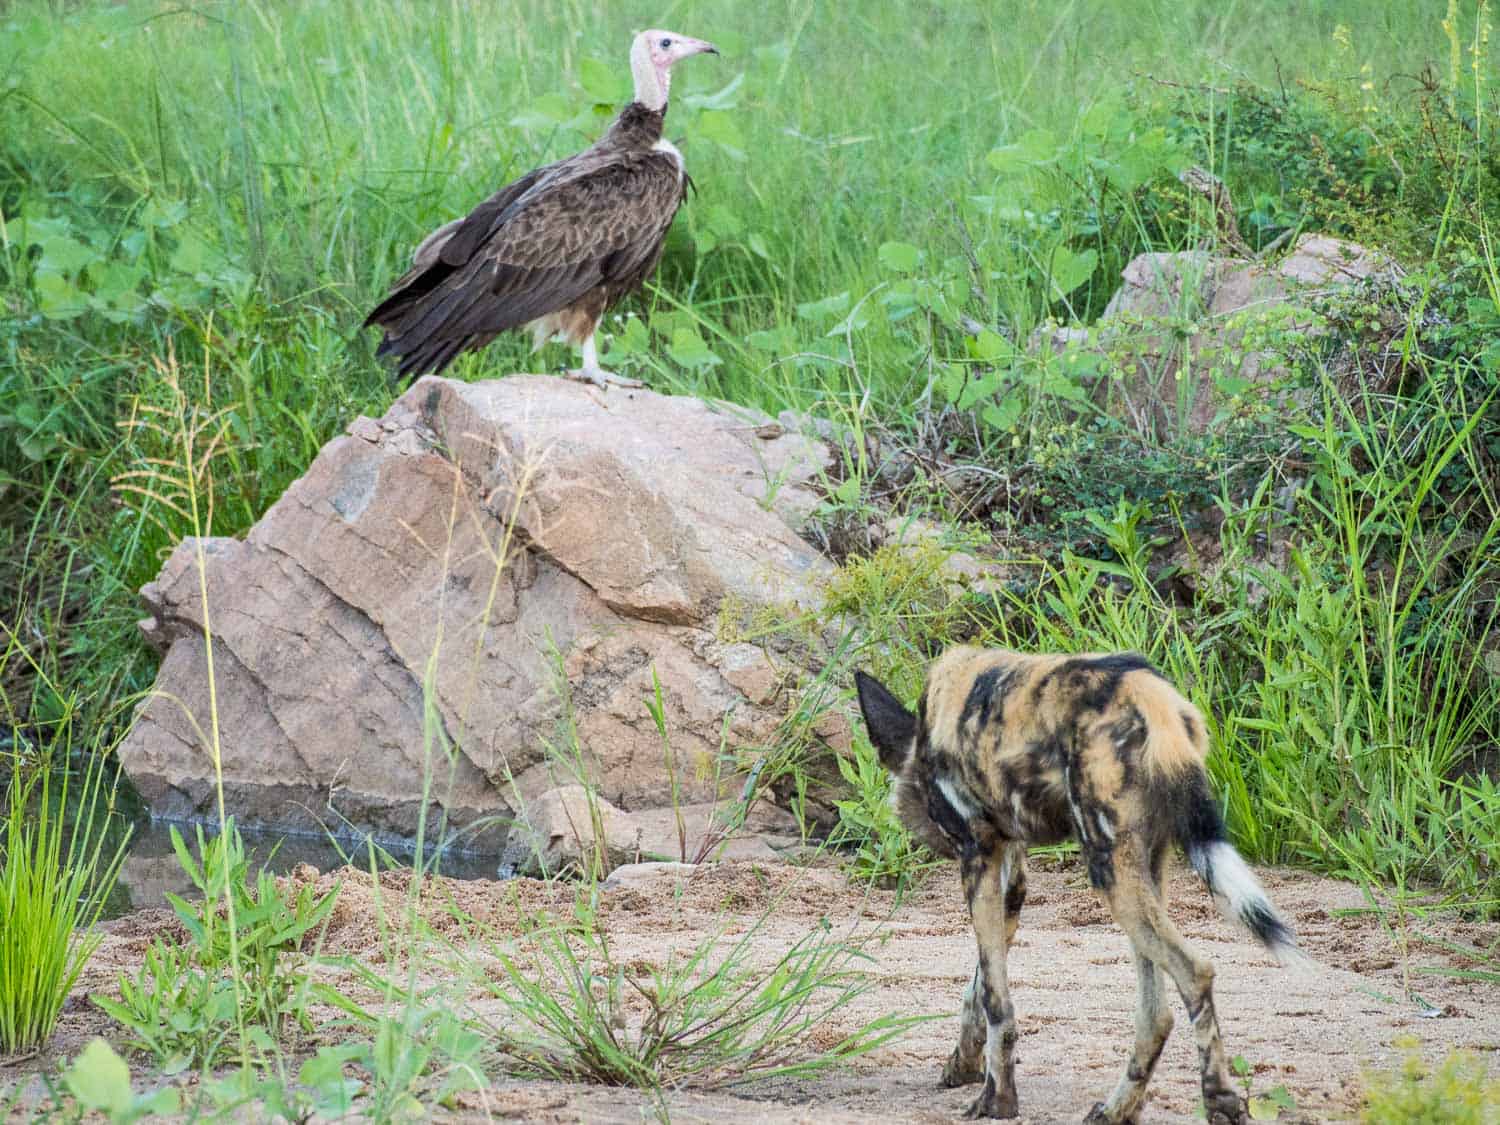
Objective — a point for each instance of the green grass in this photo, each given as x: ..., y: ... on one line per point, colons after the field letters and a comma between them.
x: 56, y: 871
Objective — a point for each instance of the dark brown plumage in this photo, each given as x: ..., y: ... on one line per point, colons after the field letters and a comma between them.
x: 553, y: 250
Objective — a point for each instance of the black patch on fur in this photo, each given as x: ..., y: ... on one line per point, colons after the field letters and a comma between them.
x: 1101, y: 860
x: 1015, y: 894
x: 1118, y: 663
x: 1049, y: 752
x: 946, y: 817
x: 1268, y: 929
x: 1128, y: 736
x: 986, y: 698
x: 1193, y: 810
x: 1190, y: 726
x: 1095, y: 682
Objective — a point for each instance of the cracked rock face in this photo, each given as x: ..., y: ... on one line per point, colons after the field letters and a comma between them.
x: 455, y: 587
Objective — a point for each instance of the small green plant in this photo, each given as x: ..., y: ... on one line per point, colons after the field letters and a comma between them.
x: 55, y: 874
x: 1263, y: 1107
x: 99, y: 1080
x: 707, y: 1017
x: 415, y: 1050
x: 882, y: 848
x: 1459, y: 1092
x: 192, y: 1005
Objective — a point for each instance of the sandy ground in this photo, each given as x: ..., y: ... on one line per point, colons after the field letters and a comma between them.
x: 1315, y: 1031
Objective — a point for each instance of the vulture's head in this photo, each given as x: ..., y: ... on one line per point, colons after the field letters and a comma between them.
x: 651, y: 58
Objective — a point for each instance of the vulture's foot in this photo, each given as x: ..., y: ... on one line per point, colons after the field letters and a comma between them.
x: 602, y: 378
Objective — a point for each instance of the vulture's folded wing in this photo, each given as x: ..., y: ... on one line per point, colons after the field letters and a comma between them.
x: 589, y: 222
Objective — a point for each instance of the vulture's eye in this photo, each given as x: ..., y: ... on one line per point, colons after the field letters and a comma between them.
x: 665, y: 43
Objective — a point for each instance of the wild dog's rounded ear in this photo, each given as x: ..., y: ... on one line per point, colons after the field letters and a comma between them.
x: 892, y: 727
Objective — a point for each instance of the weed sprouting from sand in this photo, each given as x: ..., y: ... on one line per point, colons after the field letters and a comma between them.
x: 705, y: 1014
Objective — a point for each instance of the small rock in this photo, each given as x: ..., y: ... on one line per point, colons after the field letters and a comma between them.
x: 637, y: 876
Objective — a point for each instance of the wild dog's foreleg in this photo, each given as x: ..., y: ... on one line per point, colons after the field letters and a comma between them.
x: 966, y: 1064
x: 985, y: 877
x: 1139, y: 911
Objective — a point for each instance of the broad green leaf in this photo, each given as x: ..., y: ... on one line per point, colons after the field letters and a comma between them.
x: 57, y: 297
x: 990, y: 347
x: 902, y: 257
x: 771, y: 340
x: 1264, y: 1109
x: 977, y: 390
x: 689, y: 350
x: 547, y: 112
x: 62, y: 254
x: 99, y: 1079
x: 164, y: 212
x: 951, y: 382
x: 1004, y: 414
x: 723, y: 99
x: 601, y: 82
x: 630, y: 338
x: 195, y: 256
x: 721, y: 127
x: 1036, y: 146
x: 163, y: 1103
x: 1105, y: 116
x: 857, y: 320
x: 1070, y: 269
x: 836, y: 305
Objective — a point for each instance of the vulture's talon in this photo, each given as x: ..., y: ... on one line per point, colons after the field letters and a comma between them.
x: 603, y: 379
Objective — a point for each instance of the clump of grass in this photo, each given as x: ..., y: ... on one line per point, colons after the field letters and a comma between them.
x: 1459, y: 1091
x: 707, y: 1016
x: 56, y: 871
x: 239, y: 976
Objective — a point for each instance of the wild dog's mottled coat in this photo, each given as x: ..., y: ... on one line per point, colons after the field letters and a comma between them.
x: 1007, y: 750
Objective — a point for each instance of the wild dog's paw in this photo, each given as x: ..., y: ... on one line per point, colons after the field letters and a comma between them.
x: 1099, y: 1115
x: 1227, y: 1108
x: 961, y: 1071
x: 994, y: 1103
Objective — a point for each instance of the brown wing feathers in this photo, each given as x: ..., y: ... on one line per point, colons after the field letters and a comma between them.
x: 542, y: 244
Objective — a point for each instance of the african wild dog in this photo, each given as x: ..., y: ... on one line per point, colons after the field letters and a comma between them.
x: 1007, y: 750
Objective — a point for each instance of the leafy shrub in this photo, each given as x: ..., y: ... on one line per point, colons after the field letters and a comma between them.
x: 237, y: 980
x: 1459, y: 1092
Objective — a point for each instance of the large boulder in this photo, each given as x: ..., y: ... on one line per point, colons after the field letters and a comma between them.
x: 1188, y: 332
x: 463, y: 604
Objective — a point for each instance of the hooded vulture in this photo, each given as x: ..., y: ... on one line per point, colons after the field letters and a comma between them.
x: 556, y: 248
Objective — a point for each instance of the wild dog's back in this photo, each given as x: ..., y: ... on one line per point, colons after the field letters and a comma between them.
x: 1051, y: 745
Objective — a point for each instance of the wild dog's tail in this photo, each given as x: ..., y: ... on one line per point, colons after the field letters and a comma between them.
x: 1234, y: 886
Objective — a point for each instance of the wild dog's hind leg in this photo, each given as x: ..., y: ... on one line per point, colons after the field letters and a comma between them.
x: 1139, y: 910
x: 966, y: 1064
x: 985, y: 877
x: 1153, y: 1023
